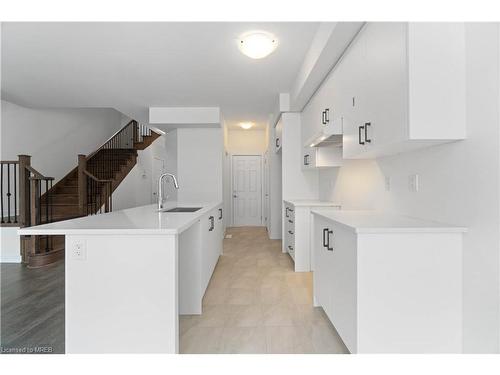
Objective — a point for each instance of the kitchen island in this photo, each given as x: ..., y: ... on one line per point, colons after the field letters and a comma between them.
x: 130, y: 273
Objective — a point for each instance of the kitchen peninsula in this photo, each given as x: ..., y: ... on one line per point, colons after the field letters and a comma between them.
x: 130, y: 273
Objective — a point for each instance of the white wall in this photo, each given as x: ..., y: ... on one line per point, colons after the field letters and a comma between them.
x: 199, y: 165
x: 459, y: 184
x: 136, y: 188
x: 54, y: 137
x: 246, y: 142
x: 10, y: 246
x: 171, y: 163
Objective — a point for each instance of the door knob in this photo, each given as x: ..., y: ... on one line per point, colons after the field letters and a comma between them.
x: 235, y: 196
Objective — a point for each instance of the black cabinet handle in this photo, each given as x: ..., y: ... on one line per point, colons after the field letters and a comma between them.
x: 290, y: 248
x: 360, y: 129
x: 212, y: 223
x: 325, y: 234
x: 328, y: 246
x: 306, y: 159
x: 323, y: 118
x: 286, y: 212
x: 290, y: 221
x: 367, y: 124
x: 220, y: 213
x: 290, y: 232
x: 277, y: 142
x: 327, y: 115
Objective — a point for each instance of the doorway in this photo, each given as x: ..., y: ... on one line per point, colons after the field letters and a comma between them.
x: 247, y: 190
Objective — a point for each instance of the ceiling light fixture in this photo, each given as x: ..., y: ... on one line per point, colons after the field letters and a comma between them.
x: 246, y: 125
x: 257, y: 44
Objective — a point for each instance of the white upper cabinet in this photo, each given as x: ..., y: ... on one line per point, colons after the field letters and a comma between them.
x: 402, y: 87
x: 278, y: 131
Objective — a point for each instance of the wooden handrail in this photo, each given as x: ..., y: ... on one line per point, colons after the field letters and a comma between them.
x: 95, y: 178
x: 38, y: 175
x: 9, y: 161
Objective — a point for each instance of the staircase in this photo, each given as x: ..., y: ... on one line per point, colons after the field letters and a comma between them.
x: 85, y: 190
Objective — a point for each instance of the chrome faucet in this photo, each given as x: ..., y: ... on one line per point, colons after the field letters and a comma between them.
x: 160, y: 188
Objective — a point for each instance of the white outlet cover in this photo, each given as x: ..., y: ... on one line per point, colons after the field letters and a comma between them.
x: 413, y: 182
x: 387, y: 183
x: 79, y: 250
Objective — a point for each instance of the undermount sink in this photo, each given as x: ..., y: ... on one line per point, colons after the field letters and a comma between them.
x: 183, y: 209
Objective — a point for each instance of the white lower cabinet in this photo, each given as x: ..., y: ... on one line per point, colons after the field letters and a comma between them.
x: 211, y: 244
x: 398, y: 291
x: 199, y: 251
x: 297, y: 231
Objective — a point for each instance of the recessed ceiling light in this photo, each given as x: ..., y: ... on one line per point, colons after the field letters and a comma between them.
x: 257, y: 44
x: 246, y: 125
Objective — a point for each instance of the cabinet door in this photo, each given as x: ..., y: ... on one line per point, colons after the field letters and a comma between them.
x: 341, y: 306
x: 278, y: 130
x: 331, y: 104
x: 311, y: 119
x: 386, y: 89
x: 352, y: 81
x: 308, y: 157
x: 322, y: 263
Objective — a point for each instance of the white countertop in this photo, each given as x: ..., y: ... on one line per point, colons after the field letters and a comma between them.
x: 137, y: 220
x: 311, y: 203
x: 382, y: 222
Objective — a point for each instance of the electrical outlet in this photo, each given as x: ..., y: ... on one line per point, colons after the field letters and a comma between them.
x: 80, y: 250
x: 413, y: 183
x: 387, y: 183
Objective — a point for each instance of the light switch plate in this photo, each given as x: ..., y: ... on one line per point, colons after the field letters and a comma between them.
x: 79, y: 250
x: 413, y: 183
x: 387, y: 183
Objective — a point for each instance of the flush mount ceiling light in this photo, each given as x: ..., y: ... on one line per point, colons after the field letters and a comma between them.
x: 257, y: 44
x: 246, y: 125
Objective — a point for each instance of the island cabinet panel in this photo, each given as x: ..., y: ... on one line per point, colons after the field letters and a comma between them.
x: 211, y: 246
x: 390, y: 291
x: 199, y: 249
x: 121, y: 294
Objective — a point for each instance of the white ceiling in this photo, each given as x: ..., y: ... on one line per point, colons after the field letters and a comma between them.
x: 132, y: 66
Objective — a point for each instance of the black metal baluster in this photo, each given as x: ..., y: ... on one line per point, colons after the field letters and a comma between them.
x: 8, y: 193
x: 15, y: 192
x: 1, y: 191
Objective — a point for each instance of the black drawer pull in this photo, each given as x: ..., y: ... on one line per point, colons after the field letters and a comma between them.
x: 277, y: 142
x: 325, y: 234
x: 327, y: 115
x: 366, y: 132
x: 323, y: 118
x: 290, y: 232
x: 220, y: 213
x: 290, y: 221
x: 306, y: 159
x: 360, y: 129
x: 286, y: 211
x: 328, y: 246
x: 212, y: 223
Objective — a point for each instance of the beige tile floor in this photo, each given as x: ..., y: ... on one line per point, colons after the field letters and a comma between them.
x: 255, y: 303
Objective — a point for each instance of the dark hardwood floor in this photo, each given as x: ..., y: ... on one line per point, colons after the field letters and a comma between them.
x: 32, y: 309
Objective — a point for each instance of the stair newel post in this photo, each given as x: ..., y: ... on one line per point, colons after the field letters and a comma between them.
x: 82, y: 184
x: 24, y: 188
x: 24, y: 204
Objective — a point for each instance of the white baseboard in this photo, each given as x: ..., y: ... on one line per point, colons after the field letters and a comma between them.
x: 11, y: 260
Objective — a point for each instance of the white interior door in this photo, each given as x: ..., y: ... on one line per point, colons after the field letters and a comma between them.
x: 247, y: 190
